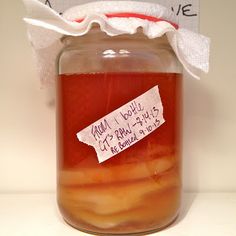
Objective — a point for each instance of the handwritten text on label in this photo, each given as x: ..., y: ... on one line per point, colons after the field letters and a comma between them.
x: 125, y: 126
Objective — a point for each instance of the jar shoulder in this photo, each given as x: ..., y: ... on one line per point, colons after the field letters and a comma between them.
x: 123, y: 56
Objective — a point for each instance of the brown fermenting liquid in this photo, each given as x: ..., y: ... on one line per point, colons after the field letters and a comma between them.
x: 138, y: 190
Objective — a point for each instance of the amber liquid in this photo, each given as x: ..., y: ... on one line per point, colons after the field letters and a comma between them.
x: 137, y: 190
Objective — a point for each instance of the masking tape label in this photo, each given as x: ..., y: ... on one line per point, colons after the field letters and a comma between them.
x: 125, y: 126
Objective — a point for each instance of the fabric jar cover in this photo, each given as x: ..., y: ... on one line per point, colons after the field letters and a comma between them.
x: 46, y: 28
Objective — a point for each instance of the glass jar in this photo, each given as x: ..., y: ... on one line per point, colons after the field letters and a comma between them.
x: 139, y: 189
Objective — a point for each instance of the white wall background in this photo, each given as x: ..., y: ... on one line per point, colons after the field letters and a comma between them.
x: 27, y: 121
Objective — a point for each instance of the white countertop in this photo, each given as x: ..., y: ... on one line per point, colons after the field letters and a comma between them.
x: 203, y: 214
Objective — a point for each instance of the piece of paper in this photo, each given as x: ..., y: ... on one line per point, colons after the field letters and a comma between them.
x: 125, y: 126
x: 186, y: 10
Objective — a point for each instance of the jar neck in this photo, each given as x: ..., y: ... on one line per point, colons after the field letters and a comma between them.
x: 95, y: 35
x: 98, y: 52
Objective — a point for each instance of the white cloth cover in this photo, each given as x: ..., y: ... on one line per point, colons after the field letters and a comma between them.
x: 46, y: 27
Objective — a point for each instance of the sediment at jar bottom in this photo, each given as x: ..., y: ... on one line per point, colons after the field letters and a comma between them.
x: 162, y: 209
x: 149, y: 201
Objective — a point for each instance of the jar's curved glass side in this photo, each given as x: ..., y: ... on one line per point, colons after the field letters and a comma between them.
x: 139, y: 189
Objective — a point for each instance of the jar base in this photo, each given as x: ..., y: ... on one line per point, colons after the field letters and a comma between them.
x: 141, y: 233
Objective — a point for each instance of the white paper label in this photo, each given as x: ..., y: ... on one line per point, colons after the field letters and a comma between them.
x: 187, y: 10
x: 125, y: 126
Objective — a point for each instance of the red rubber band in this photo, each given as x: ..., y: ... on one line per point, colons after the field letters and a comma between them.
x: 134, y: 15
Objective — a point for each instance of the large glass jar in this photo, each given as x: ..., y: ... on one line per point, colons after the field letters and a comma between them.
x: 139, y: 189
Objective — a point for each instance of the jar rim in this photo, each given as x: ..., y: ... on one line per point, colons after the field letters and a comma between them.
x: 95, y: 29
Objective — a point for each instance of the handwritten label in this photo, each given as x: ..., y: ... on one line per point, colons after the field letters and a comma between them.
x: 125, y: 126
x: 187, y: 10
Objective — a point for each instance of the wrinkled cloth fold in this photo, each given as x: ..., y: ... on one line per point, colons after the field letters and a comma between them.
x: 46, y: 28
